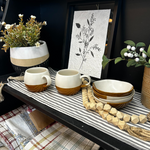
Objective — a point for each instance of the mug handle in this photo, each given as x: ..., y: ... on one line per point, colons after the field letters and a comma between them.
x: 85, y: 76
x: 48, y: 79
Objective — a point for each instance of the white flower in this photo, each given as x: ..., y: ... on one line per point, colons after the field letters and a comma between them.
x: 129, y: 54
x: 3, y: 23
x: 128, y: 46
x: 1, y: 40
x: 132, y: 48
x: 20, y: 15
x: 45, y: 23
x: 33, y: 17
x: 125, y: 54
x: 137, y: 59
x: 144, y: 55
x: 7, y: 26
x: 135, y: 54
x: 37, y: 44
x: 141, y: 49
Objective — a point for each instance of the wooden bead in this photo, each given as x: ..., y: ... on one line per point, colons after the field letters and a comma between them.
x: 113, y: 111
x: 121, y: 124
x: 107, y: 107
x: 115, y: 121
x: 119, y: 115
x: 99, y: 106
x: 126, y: 117
x: 143, y: 118
x: 109, y: 118
x: 134, y: 119
x: 100, y: 112
x: 104, y: 114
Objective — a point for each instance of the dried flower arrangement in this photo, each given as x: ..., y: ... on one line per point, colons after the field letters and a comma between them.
x: 134, y: 54
x: 22, y: 35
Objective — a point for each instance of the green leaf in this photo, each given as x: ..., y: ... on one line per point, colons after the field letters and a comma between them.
x: 148, y: 66
x: 140, y: 44
x: 138, y: 65
x: 118, y: 59
x: 123, y: 51
x: 131, y: 63
x: 148, y: 51
x: 105, y: 61
x: 129, y: 42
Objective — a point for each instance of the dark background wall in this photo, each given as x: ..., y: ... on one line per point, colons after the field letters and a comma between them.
x: 133, y: 25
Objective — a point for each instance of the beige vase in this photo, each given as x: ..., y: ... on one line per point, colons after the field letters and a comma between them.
x: 23, y: 58
x: 145, y: 94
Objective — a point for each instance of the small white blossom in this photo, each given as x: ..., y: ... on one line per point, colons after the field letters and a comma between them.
x: 3, y: 23
x: 37, y: 44
x: 1, y: 40
x: 133, y: 48
x: 137, y: 59
x: 4, y: 45
x: 129, y: 54
x: 141, y: 49
x: 125, y: 54
x: 33, y: 17
x: 128, y: 47
x: 45, y: 23
x: 135, y: 54
x: 144, y: 55
x: 20, y: 15
x: 7, y: 26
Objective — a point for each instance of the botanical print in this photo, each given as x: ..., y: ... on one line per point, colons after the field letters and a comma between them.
x: 88, y: 41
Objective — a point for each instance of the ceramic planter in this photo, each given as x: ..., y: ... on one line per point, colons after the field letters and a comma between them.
x: 23, y: 58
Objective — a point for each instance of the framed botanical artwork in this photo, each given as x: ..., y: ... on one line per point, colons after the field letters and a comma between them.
x: 90, y: 32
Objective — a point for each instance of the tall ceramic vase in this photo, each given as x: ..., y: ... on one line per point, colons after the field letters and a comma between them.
x: 23, y: 58
x: 145, y: 94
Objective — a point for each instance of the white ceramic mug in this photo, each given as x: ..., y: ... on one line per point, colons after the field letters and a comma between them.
x: 37, y: 79
x: 69, y: 82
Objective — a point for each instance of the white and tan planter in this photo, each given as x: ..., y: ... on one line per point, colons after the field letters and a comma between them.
x: 23, y: 58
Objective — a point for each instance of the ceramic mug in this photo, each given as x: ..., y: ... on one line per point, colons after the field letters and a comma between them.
x: 69, y: 82
x: 37, y: 79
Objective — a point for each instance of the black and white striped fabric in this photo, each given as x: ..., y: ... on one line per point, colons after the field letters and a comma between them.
x: 73, y: 107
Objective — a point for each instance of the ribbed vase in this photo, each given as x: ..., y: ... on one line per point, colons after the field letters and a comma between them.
x: 145, y: 94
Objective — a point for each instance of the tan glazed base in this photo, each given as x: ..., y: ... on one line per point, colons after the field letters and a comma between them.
x: 70, y: 91
x: 36, y: 88
x: 145, y: 94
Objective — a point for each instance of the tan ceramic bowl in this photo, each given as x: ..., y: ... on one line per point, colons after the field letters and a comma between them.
x: 98, y: 95
x: 115, y: 103
x: 114, y: 88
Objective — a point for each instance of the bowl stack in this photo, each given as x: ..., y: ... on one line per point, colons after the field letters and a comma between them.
x: 114, y: 92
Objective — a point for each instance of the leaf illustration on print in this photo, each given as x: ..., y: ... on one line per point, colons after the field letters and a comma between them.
x: 85, y: 36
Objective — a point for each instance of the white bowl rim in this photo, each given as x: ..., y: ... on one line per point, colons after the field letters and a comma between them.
x: 113, y: 101
x: 118, y: 98
x: 113, y: 80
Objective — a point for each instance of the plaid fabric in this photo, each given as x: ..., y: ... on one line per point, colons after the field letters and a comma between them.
x: 59, y: 137
x: 12, y: 113
x: 42, y: 140
x: 5, y: 134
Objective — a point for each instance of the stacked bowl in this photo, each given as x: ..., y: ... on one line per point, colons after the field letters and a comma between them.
x: 114, y: 92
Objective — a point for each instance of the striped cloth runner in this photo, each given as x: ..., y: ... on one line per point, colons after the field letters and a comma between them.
x: 73, y: 107
x: 59, y: 137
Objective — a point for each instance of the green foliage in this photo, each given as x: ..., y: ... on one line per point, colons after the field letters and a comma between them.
x: 129, y: 42
x: 22, y: 35
x: 105, y: 61
x: 134, y: 54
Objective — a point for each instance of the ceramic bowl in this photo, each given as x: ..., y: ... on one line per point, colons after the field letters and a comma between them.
x: 114, y: 101
x: 109, y: 87
x: 115, y: 104
x: 98, y: 95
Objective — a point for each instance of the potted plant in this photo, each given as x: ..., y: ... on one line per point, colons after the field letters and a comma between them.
x: 136, y: 55
x: 26, y: 50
